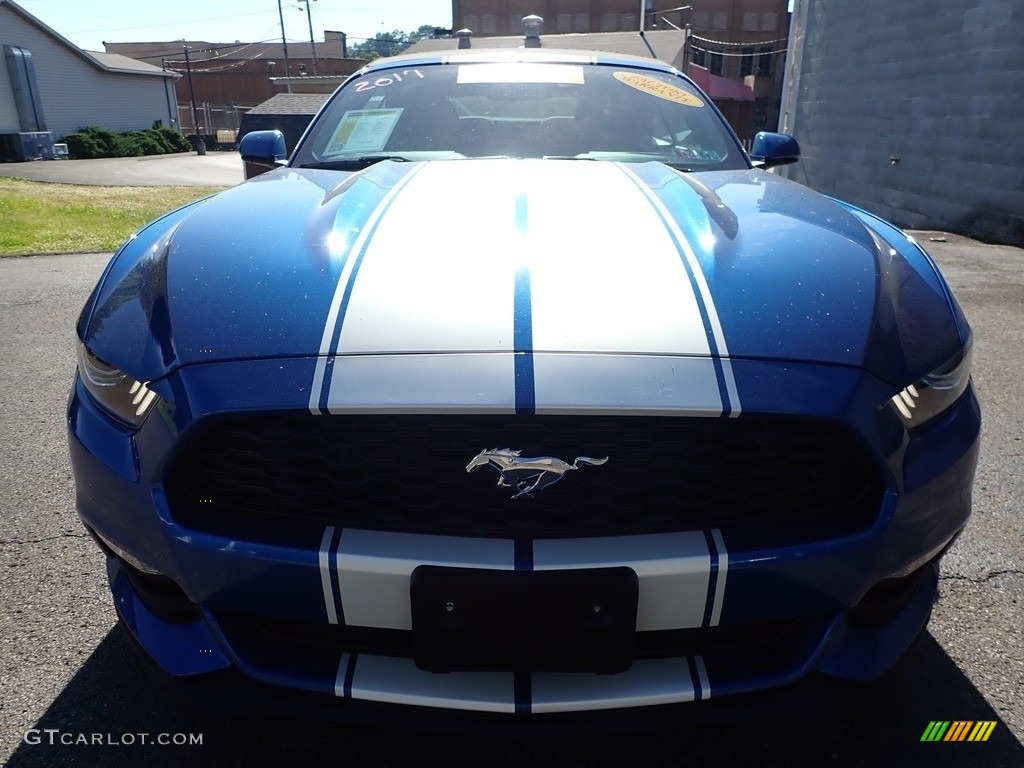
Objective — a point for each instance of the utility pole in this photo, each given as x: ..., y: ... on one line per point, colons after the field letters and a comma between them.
x: 284, y: 42
x: 200, y: 144
x: 312, y: 43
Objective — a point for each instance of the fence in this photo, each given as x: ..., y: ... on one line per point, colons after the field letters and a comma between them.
x: 218, y: 123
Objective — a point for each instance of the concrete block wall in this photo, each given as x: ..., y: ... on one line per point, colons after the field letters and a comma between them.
x: 913, y: 110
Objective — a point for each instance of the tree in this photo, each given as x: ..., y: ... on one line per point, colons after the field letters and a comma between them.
x: 390, y: 43
x: 381, y: 44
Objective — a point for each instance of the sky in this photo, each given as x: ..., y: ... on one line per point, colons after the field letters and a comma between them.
x: 87, y: 23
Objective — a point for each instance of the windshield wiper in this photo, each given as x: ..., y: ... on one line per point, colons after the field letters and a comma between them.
x: 354, y: 163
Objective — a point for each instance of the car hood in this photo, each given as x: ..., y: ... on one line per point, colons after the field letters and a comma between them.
x: 491, y: 256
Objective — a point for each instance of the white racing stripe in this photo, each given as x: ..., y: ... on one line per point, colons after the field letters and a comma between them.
x: 374, y: 569
x: 605, y: 278
x: 339, y: 679
x: 437, y: 278
x: 626, y: 385
x: 702, y: 287
x: 325, y: 574
x: 673, y: 571
x: 399, y: 681
x: 343, y: 280
x: 463, y: 383
x: 605, y: 275
x: 674, y: 574
x: 647, y: 683
x: 702, y: 675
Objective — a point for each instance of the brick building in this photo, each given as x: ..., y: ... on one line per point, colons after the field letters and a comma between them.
x: 742, y: 40
x: 230, y: 78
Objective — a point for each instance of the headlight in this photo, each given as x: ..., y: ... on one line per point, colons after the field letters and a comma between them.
x: 928, y: 398
x: 124, y: 398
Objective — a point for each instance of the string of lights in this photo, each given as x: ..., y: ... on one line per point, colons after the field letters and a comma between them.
x: 736, y: 55
x: 723, y: 43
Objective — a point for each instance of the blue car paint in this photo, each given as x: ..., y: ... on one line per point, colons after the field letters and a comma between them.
x: 800, y: 279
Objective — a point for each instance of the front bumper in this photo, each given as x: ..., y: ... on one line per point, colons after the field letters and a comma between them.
x: 324, y: 612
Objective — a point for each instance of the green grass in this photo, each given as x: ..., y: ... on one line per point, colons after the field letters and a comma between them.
x: 63, y: 218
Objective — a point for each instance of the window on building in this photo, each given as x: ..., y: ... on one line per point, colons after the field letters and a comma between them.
x: 717, y: 62
x: 747, y: 62
x: 720, y: 20
x: 564, y: 23
x: 489, y: 24
x: 469, y: 22
x: 699, y: 57
x: 702, y: 20
x: 628, y: 22
x: 764, y: 62
x: 750, y: 22
x: 609, y: 22
x: 582, y: 22
x: 769, y: 21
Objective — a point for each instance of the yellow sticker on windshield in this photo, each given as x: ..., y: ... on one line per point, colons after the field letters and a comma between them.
x: 658, y: 88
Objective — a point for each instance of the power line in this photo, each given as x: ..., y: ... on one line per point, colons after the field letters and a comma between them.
x: 226, y: 68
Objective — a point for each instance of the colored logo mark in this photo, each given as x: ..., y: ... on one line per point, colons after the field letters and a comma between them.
x: 958, y: 730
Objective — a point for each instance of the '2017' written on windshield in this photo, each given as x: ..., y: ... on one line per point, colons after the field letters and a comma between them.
x: 384, y: 82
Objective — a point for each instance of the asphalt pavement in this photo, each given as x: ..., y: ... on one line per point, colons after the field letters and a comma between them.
x: 184, y: 169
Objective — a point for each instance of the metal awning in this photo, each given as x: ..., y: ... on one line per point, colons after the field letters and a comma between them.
x: 719, y: 88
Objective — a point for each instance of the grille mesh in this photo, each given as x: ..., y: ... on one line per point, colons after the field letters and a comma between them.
x: 799, y: 479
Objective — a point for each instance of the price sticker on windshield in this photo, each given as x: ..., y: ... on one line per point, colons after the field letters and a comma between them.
x: 363, y: 130
x: 658, y: 88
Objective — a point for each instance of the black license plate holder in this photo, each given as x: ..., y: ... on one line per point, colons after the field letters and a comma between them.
x: 576, y: 620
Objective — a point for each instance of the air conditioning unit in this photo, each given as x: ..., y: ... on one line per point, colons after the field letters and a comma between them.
x: 32, y: 145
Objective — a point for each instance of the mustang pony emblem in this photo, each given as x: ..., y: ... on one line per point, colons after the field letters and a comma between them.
x: 527, y: 475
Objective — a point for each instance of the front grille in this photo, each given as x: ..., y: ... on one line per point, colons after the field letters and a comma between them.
x: 791, y: 479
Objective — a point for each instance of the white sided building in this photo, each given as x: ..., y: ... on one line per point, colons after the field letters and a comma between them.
x: 49, y: 87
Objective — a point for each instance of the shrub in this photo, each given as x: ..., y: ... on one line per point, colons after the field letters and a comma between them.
x: 82, y: 146
x: 177, y: 142
x: 94, y: 141
x: 127, y: 146
x: 111, y: 144
x: 161, y: 141
x: 146, y: 143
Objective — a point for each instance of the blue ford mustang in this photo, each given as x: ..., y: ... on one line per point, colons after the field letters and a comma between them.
x: 520, y: 388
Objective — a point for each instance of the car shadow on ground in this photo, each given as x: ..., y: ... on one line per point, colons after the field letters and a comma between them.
x: 118, y: 696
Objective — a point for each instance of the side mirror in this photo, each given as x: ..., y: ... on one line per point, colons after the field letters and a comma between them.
x: 262, y: 151
x: 771, y: 149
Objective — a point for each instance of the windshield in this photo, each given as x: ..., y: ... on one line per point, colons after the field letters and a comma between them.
x: 521, y: 109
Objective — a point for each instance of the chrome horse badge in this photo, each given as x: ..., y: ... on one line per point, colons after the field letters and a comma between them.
x: 527, y: 476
